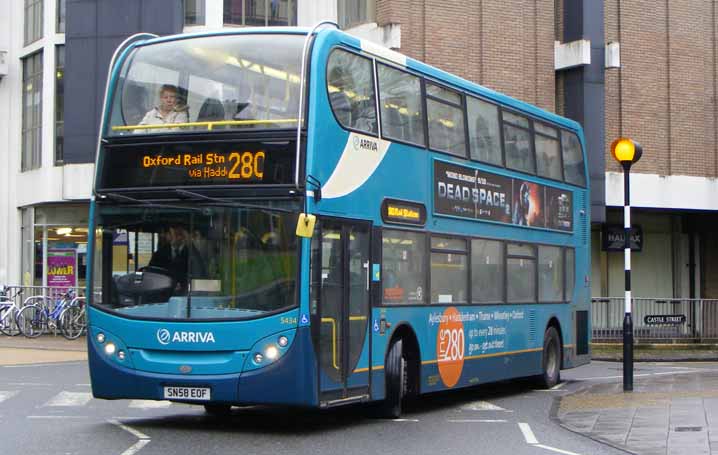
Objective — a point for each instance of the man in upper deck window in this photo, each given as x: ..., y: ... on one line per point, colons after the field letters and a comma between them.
x: 168, y: 111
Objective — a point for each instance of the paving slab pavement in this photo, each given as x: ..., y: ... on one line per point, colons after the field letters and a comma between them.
x: 44, y: 349
x: 672, y: 414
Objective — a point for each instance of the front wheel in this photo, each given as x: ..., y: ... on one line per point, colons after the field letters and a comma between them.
x: 550, y: 360
x: 72, y: 322
x: 395, y: 379
x: 32, y: 321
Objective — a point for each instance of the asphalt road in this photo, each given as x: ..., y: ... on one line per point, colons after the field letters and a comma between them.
x: 47, y: 408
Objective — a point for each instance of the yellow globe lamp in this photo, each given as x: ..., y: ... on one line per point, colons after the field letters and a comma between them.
x: 626, y: 151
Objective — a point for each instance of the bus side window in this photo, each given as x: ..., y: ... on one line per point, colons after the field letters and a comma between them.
x: 350, y: 86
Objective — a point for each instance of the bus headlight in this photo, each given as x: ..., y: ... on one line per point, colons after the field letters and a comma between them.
x: 100, y: 337
x: 121, y: 355
x: 258, y: 358
x: 271, y: 352
x: 283, y: 341
x: 110, y: 348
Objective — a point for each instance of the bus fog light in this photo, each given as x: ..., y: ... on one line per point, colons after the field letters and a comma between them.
x: 100, y: 337
x: 283, y: 341
x: 258, y: 358
x: 121, y: 355
x: 110, y: 348
x: 272, y: 352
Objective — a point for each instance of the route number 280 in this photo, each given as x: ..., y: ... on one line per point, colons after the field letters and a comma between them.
x: 451, y: 344
x: 247, y: 165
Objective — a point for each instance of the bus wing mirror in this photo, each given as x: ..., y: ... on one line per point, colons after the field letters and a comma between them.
x: 305, y: 225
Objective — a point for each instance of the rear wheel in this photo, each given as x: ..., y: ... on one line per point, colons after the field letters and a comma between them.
x: 395, y: 381
x: 32, y: 321
x: 551, y: 359
x: 8, y: 326
x: 218, y: 410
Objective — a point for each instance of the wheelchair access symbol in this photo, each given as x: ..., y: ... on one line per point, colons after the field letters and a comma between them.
x: 304, y: 320
x: 376, y: 325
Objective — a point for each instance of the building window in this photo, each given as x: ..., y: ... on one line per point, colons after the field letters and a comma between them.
x: 260, y: 12
x: 31, y: 112
x: 355, y: 12
x: 59, y: 103
x: 60, y: 26
x: 33, y: 21
x: 194, y: 12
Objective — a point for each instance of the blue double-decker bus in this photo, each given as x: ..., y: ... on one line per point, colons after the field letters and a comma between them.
x: 302, y: 218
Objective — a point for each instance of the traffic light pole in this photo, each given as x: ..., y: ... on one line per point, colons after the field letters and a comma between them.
x: 627, y: 319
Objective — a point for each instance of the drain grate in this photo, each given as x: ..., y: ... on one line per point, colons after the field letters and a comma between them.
x: 685, y: 429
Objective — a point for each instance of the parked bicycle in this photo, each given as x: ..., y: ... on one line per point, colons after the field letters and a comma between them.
x: 9, y: 309
x: 72, y: 319
x: 35, y: 319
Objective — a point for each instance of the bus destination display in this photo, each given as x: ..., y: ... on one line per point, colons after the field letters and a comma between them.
x: 169, y: 165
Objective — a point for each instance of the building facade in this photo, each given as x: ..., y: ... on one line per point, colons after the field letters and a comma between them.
x: 639, y: 69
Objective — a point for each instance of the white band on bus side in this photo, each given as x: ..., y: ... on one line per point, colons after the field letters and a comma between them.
x: 383, y: 52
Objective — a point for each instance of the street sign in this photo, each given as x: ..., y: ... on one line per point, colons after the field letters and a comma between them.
x: 665, y: 319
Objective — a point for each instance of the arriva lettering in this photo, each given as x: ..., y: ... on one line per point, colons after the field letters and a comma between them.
x: 193, y: 337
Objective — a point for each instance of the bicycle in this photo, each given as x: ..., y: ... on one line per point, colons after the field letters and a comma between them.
x: 72, y: 319
x: 9, y: 311
x: 36, y: 318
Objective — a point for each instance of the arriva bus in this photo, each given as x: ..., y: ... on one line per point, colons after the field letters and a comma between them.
x: 302, y: 218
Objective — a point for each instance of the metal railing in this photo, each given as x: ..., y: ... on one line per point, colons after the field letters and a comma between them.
x: 685, y: 320
x: 45, y: 297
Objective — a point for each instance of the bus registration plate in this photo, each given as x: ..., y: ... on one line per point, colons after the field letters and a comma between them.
x: 187, y: 393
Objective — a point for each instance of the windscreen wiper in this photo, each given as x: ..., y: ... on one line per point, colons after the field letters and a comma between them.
x: 122, y: 197
x: 229, y: 202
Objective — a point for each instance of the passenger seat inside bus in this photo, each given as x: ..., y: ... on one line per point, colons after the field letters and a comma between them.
x: 211, y: 110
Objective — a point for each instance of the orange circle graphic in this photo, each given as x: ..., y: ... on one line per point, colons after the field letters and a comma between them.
x: 450, y: 344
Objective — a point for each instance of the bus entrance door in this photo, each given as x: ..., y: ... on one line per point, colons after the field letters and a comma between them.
x: 340, y: 324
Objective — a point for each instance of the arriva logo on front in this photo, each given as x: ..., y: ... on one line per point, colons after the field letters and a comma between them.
x: 165, y: 337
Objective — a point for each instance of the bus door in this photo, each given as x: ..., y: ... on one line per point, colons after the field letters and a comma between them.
x: 340, y: 310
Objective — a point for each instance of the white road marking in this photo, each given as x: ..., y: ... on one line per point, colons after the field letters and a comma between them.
x: 51, y: 364
x: 4, y: 395
x: 595, y: 378
x: 136, y: 447
x: 528, y: 433
x: 65, y: 398
x: 58, y: 417
x: 554, y: 449
x: 404, y: 420
x: 149, y: 404
x: 25, y: 384
x: 483, y: 406
x: 477, y: 421
x: 531, y: 439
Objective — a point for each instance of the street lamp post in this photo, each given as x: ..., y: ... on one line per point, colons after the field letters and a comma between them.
x: 627, y: 152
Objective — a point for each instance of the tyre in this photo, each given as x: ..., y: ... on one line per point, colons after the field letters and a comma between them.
x: 6, y: 320
x: 72, y: 322
x: 32, y: 321
x: 550, y: 360
x: 395, y: 381
x: 218, y: 410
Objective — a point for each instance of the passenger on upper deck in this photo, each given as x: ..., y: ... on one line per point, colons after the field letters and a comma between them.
x: 168, y: 111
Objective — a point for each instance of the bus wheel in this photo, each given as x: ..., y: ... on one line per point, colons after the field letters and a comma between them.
x: 395, y: 372
x: 550, y: 360
x: 218, y: 410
